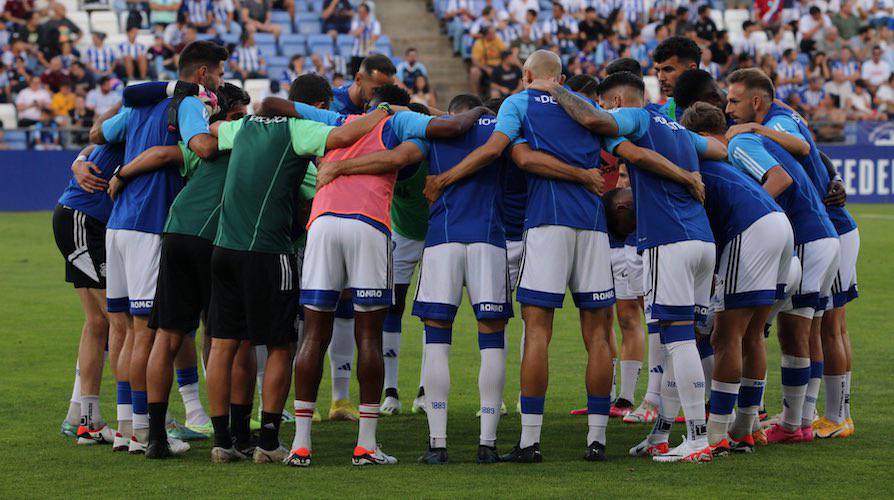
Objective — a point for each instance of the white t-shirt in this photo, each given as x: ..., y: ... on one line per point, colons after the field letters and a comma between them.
x: 518, y: 9
x: 885, y: 94
x: 29, y: 97
x: 101, y: 102
x: 844, y: 91
x: 808, y: 23
x: 876, y: 73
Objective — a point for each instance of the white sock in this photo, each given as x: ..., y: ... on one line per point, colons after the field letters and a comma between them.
x: 723, y: 400
x: 669, y: 406
x: 531, y: 425
x: 124, y: 414
x: 141, y: 426
x: 391, y: 352
x: 195, y: 413
x: 629, y: 378
x: 341, y: 357
x: 810, y: 397
x: 690, y: 384
x: 304, y: 412
x: 657, y: 355
x: 436, y: 380
x: 836, y: 385
x: 847, y: 395
x: 74, y: 403
x: 614, y: 378
x: 795, y: 376
x: 369, y: 416
x: 598, y: 408
x: 422, y: 363
x: 491, y: 381
x: 750, y: 394
x: 261, y: 355
x: 91, y: 417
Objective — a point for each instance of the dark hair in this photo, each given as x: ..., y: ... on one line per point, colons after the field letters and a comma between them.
x: 378, y: 62
x: 747, y: 24
x: 425, y: 88
x: 310, y: 89
x: 411, y: 49
x: 494, y: 104
x: 486, y: 10
x: 228, y: 97
x: 691, y: 84
x: 583, y: 84
x: 814, y: 10
x: 463, y: 102
x: 787, y: 52
x: 392, y: 94
x: 200, y: 53
x: 628, y: 64
x: 753, y: 79
x: 419, y: 108
x: 294, y: 58
x: 532, y: 11
x: 622, y: 79
x: 703, y: 117
x: 703, y: 8
x: 682, y: 47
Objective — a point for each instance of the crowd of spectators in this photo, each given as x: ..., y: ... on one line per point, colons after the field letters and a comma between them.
x: 832, y: 60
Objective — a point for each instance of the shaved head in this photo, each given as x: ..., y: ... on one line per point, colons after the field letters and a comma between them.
x: 544, y: 64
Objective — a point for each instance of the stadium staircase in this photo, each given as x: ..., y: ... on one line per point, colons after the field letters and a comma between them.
x: 411, y: 24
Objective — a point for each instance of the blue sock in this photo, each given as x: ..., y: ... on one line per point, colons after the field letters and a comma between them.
x: 140, y: 402
x: 124, y: 393
x: 187, y: 376
x: 496, y: 340
x: 435, y: 335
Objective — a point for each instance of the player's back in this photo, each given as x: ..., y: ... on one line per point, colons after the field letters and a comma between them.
x: 107, y: 158
x: 515, y: 197
x: 469, y: 211
x: 733, y: 201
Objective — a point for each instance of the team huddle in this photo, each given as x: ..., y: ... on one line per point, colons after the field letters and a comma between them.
x: 296, y: 231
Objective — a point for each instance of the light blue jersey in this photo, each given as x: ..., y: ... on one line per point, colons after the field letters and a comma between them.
x: 97, y: 204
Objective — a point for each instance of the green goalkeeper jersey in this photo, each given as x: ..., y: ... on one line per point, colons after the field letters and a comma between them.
x: 196, y: 209
x: 409, y: 208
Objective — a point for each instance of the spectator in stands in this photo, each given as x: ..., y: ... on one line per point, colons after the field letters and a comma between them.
x: 338, y: 80
x: 46, y: 134
x: 81, y: 79
x: 20, y: 76
x: 102, y: 98
x: 410, y: 68
x: 132, y: 61
x: 100, y: 58
x: 790, y: 74
x: 366, y: 30
x: 560, y: 29
x: 294, y: 70
x: 524, y: 45
x: 163, y: 12
x: 29, y: 34
x: 722, y: 51
x: 286, y: 5
x: 487, y: 19
x: 705, y: 27
x: 861, y: 103
x: 17, y: 11
x: 839, y: 90
x: 82, y: 116
x: 199, y: 13
x: 58, y: 27
x: 55, y: 75
x: 422, y: 92
x: 809, y: 100
x: 518, y: 9
x: 30, y: 101
x: 247, y: 60
x: 161, y: 59
x: 847, y: 64
x: 189, y: 35
x: 68, y: 54
x: 275, y: 89
x: 256, y: 14
x: 884, y: 98
x: 876, y: 71
x: 845, y: 21
x: 173, y: 33
x: 590, y: 28
x: 485, y: 57
x: 5, y: 87
x: 707, y: 64
x: 506, y: 79
x: 819, y: 66
x: 810, y: 27
x: 830, y: 42
x: 62, y: 104
x: 337, y: 17
x: 459, y: 17
x: 226, y: 24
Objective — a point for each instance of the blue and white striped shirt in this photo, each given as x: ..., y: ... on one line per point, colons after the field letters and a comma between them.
x: 363, y: 43
x: 812, y: 97
x: 197, y: 10
x: 248, y: 58
x: 102, y: 58
x: 712, y: 67
x: 133, y: 50
x: 849, y: 68
x: 222, y: 9
x: 552, y: 27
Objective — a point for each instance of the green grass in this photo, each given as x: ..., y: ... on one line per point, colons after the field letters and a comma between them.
x: 40, y: 322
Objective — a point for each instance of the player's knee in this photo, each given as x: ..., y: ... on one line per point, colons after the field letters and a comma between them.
x: 97, y: 323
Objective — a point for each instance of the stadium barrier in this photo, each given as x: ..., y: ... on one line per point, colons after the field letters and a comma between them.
x: 33, y: 180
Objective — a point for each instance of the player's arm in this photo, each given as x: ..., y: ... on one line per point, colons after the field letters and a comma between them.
x: 149, y: 93
x: 277, y: 106
x: 835, y: 196
x: 708, y: 148
x: 776, y: 180
x: 456, y: 125
x: 748, y: 154
x: 595, y: 120
x: 351, y: 132
x: 83, y: 172
x: 484, y: 155
x: 546, y: 165
x: 650, y: 161
x: 791, y: 143
x: 97, y: 134
x: 192, y: 120
x: 380, y: 162
x: 154, y: 158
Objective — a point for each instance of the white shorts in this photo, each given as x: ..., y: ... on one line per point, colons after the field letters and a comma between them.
x: 131, y: 270
x: 678, y: 280
x: 791, y: 283
x: 627, y: 267
x: 445, y: 268
x: 560, y: 257
x: 844, y: 288
x: 754, y: 266
x: 514, y: 251
x: 344, y: 253
x: 819, y: 264
x: 407, y: 254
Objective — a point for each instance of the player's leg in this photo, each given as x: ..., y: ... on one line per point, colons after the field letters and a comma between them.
x: 630, y: 321
x: 91, y: 354
x: 187, y: 370
x: 648, y: 408
x: 341, y: 360
x: 159, y: 377
x: 833, y: 354
x: 120, y: 335
x: 514, y: 251
x: 242, y: 394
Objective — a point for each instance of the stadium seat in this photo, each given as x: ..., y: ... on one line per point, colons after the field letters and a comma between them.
x: 70, y: 5
x: 115, y: 39
x: 733, y: 19
x: 318, y: 5
x: 17, y: 139
x: 8, y: 116
x: 256, y: 87
x: 104, y: 21
x: 320, y: 44
x: 309, y: 27
x: 292, y: 39
x: 307, y: 16
x: 265, y: 38
x: 717, y: 17
x: 281, y: 61
x: 146, y: 39
x: 81, y: 20
x: 653, y: 91
x: 383, y: 39
x: 383, y: 48
x: 269, y: 51
x: 281, y: 17
x: 230, y: 39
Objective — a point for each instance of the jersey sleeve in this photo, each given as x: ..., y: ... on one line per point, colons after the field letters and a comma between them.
x: 610, y: 143
x: 308, y: 187
x: 423, y: 146
x: 510, y: 117
x: 226, y: 134
x: 747, y: 153
x: 190, y: 161
x: 192, y: 119
x: 115, y: 128
x: 408, y: 125
x: 633, y: 123
x: 324, y: 116
x: 144, y: 94
x: 785, y: 124
x: 308, y: 137
x: 699, y: 141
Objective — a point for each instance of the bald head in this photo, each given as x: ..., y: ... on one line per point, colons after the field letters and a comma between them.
x: 543, y: 64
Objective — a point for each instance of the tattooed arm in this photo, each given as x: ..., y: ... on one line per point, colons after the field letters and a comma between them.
x: 595, y: 120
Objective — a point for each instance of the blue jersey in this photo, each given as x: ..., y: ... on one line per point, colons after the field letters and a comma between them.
x: 341, y: 101
x: 755, y: 155
x: 733, y: 200
x: 666, y: 212
x: 468, y: 211
x: 143, y: 205
x: 515, y: 197
x: 536, y: 118
x: 786, y: 120
x: 97, y: 204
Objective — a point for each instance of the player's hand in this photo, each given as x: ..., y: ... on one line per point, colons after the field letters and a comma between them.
x: 84, y: 174
x: 542, y: 85
x: 433, y: 189
x: 742, y: 128
x: 594, y: 181
x: 326, y: 173
x: 696, y: 187
x: 836, y: 196
x: 116, y: 185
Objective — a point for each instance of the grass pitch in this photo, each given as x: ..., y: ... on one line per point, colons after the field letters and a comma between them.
x: 40, y: 321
